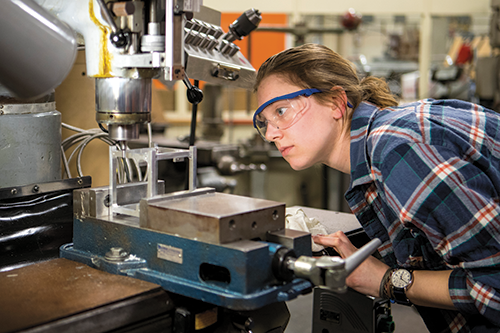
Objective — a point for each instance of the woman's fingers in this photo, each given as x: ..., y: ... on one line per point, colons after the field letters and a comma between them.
x: 338, y: 241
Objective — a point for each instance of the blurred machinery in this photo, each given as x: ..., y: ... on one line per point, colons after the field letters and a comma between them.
x: 224, y: 262
x: 351, y: 20
x: 487, y: 65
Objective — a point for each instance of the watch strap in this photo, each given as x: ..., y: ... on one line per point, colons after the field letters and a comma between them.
x: 384, y: 290
x: 399, y: 296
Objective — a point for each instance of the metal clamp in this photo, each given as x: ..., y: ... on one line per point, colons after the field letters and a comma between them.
x: 227, y: 72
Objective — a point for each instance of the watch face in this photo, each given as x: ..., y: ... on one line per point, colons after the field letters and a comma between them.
x: 401, y: 278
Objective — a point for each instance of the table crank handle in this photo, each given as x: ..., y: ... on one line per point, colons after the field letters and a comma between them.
x: 360, y: 255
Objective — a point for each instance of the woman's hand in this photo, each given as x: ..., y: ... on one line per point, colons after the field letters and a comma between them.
x: 366, y: 277
x: 430, y: 288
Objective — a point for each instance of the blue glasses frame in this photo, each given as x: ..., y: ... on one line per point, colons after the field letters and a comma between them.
x: 303, y: 92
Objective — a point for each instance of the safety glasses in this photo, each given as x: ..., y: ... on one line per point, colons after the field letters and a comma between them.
x: 282, y: 111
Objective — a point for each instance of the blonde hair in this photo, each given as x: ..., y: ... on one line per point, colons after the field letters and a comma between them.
x: 317, y: 66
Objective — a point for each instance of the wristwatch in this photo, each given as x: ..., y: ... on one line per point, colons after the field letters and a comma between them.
x: 401, y: 279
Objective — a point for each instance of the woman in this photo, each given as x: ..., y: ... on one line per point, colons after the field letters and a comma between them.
x: 424, y: 180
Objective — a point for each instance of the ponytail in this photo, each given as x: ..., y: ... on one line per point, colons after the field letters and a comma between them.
x: 376, y: 91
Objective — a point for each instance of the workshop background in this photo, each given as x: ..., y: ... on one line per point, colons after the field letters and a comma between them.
x: 395, y: 40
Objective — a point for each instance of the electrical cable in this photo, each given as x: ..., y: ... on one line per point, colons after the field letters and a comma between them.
x: 65, y: 163
x: 81, y: 139
x: 80, y: 149
x: 103, y: 129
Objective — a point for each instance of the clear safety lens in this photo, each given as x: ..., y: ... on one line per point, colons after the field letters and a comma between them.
x: 281, y: 114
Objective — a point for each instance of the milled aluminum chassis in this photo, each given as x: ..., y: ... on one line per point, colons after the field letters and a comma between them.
x: 237, y: 275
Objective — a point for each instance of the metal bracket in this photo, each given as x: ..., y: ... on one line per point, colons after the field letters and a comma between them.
x: 151, y: 156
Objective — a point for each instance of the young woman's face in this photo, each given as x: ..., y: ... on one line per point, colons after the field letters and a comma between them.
x: 312, y: 138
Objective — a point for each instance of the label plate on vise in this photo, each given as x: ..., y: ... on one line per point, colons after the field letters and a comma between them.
x: 169, y: 253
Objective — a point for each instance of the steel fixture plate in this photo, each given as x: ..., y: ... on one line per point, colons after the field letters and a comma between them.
x: 216, y: 218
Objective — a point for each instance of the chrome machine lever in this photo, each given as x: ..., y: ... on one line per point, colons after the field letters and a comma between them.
x: 330, y: 272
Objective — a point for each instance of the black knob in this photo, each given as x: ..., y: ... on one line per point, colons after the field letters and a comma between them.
x: 194, y: 95
x: 120, y: 39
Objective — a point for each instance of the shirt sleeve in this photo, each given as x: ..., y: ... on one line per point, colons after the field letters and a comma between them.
x: 453, y: 201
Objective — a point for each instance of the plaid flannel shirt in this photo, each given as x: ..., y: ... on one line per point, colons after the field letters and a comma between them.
x: 425, y: 179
